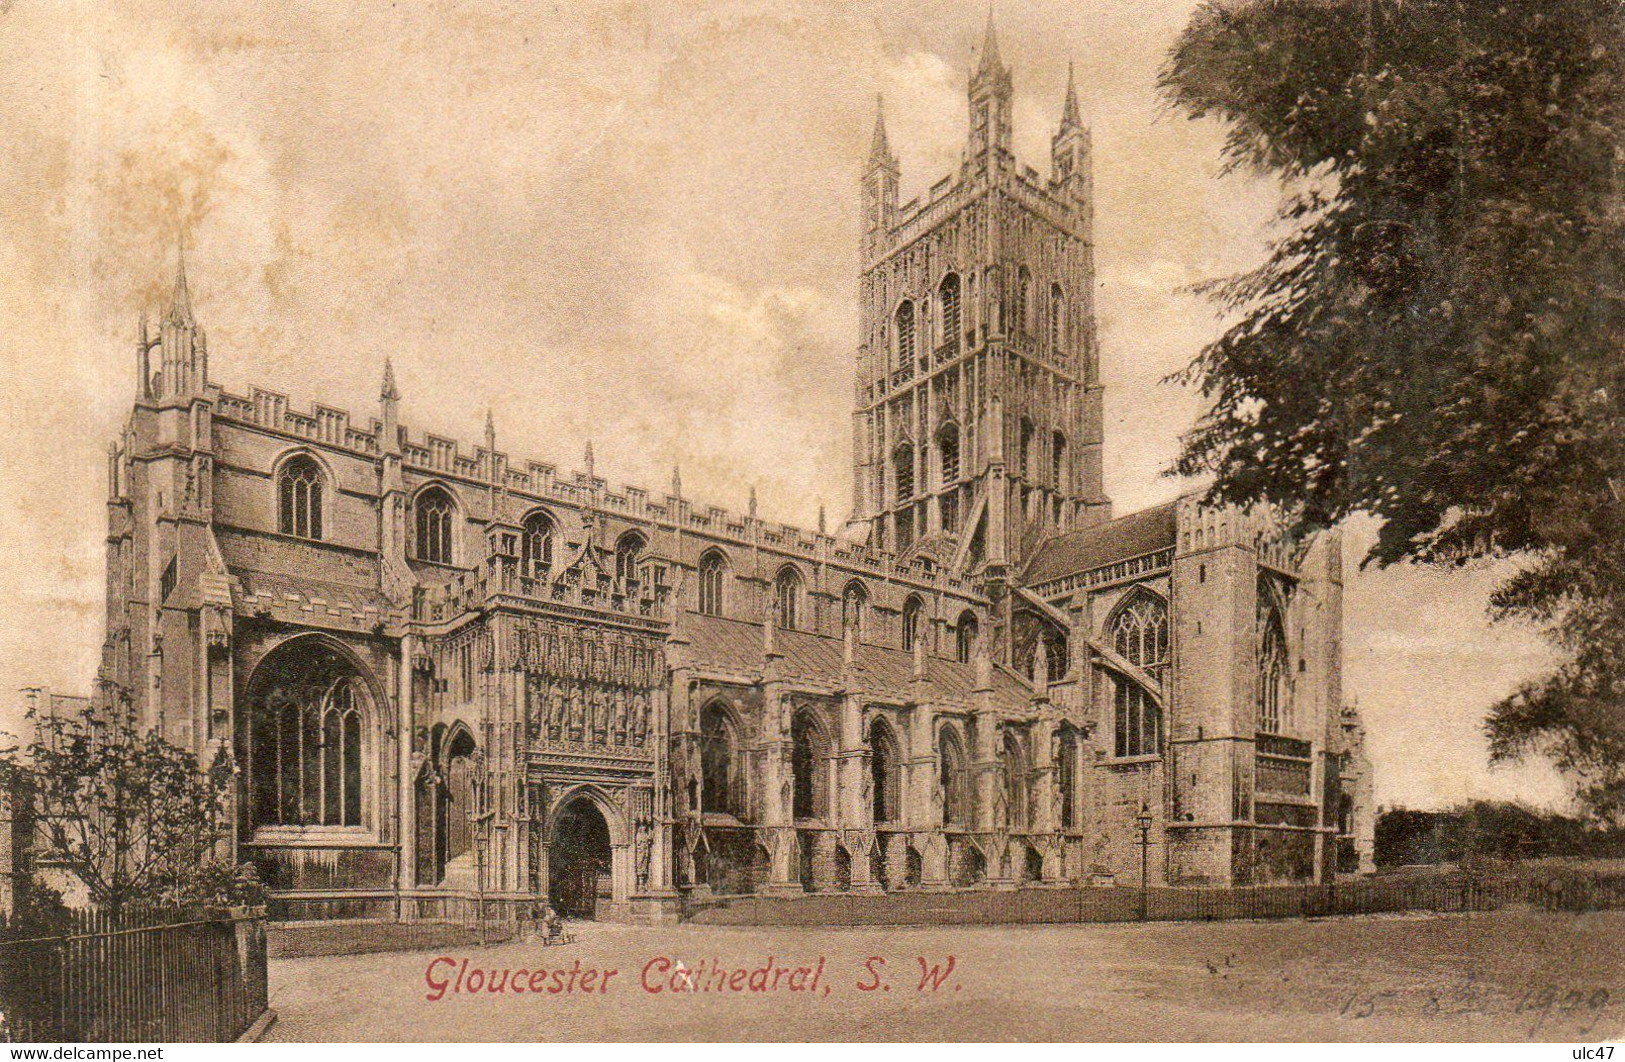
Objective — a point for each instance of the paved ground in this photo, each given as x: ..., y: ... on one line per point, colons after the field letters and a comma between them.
x: 1510, y: 975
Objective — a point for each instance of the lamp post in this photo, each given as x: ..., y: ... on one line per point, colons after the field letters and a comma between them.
x: 1143, y: 821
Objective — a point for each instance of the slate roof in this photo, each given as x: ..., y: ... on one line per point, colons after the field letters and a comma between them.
x: 736, y: 646
x: 1128, y: 536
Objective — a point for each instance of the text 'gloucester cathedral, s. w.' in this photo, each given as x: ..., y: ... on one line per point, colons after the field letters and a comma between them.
x: 445, y: 671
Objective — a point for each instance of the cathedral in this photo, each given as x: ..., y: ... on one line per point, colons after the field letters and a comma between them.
x: 445, y: 673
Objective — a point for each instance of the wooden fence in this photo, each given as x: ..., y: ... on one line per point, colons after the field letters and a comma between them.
x: 165, y: 976
x: 1443, y: 893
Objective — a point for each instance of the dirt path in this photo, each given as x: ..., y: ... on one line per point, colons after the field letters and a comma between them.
x: 1503, y: 976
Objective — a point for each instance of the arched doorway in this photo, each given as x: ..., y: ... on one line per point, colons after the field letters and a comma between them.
x: 579, y: 859
x: 455, y: 812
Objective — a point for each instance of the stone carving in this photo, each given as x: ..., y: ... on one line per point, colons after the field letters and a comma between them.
x: 642, y: 848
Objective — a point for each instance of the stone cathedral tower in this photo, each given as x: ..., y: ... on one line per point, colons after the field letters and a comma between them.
x: 977, y: 425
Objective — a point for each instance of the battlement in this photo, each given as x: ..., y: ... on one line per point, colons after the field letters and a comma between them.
x: 437, y: 455
x: 922, y: 214
x: 324, y: 424
x: 1261, y: 530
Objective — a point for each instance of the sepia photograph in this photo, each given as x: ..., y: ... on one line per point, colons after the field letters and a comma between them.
x: 773, y: 521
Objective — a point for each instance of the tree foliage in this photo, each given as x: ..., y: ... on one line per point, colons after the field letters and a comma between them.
x: 1436, y: 337
x: 134, y: 817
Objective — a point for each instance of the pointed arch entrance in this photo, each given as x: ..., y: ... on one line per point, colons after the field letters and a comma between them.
x: 580, y: 859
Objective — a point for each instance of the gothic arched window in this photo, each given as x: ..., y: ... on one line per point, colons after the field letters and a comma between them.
x: 1054, y: 642
x: 787, y: 596
x: 1017, y: 788
x: 305, y: 745
x: 948, y: 293
x: 713, y: 576
x: 1066, y: 776
x: 854, y: 606
x: 885, y: 772
x: 1057, y: 318
x: 536, y: 545
x: 1024, y: 299
x: 905, y: 335
x: 951, y: 778
x: 299, y: 498
x: 809, y: 761
x: 722, y: 788
x: 1139, y: 633
x: 965, y: 637
x: 1057, y: 462
x: 948, y: 451
x: 628, y: 552
x: 913, y: 611
x: 1025, y: 450
x: 903, y: 472
x: 1274, y: 698
x: 435, y: 513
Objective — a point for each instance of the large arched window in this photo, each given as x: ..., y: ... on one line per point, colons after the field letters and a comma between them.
x: 885, y: 772
x: 306, y: 748
x: 903, y: 472
x: 722, y: 785
x: 1139, y: 633
x: 913, y: 614
x: 905, y: 335
x: 1025, y: 450
x: 1057, y: 318
x: 948, y: 294
x: 435, y: 514
x: 1274, y: 697
x: 787, y: 598
x: 299, y: 497
x: 965, y: 632
x: 854, y: 608
x: 952, y: 779
x: 809, y: 761
x: 1016, y: 779
x: 1057, y: 462
x: 628, y: 552
x: 713, y: 576
x: 536, y: 545
x: 948, y: 453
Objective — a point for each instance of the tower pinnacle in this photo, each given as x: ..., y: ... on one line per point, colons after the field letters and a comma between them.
x: 389, y: 392
x: 990, y: 46
x: 879, y: 148
x: 1069, y: 108
x: 180, y: 304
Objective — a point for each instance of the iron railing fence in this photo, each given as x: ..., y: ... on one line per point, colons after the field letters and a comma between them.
x: 169, y: 975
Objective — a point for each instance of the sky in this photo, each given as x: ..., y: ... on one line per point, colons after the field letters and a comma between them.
x: 634, y: 223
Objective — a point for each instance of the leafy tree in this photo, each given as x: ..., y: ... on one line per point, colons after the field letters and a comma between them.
x: 131, y: 815
x: 1435, y: 339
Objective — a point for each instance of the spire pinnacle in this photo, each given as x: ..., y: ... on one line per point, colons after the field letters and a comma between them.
x: 388, y: 392
x: 676, y: 482
x: 588, y: 459
x: 879, y: 148
x: 990, y: 45
x: 180, y: 304
x: 753, y: 501
x: 1069, y: 110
